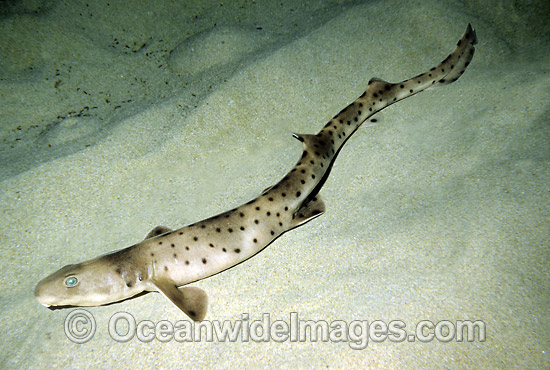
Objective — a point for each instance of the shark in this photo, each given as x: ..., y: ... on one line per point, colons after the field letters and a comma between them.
x: 167, y: 261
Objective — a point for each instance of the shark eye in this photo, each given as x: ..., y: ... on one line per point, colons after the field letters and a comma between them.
x: 71, y: 282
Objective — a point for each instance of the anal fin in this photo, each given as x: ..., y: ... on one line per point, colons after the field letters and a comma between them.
x: 308, y: 211
x: 192, y: 301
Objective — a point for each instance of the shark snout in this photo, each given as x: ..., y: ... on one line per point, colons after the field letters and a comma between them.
x: 41, y: 296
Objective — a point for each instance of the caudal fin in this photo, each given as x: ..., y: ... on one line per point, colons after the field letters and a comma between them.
x: 381, y: 93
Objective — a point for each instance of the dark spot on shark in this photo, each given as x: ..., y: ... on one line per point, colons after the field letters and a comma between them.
x: 237, y: 250
x: 204, y: 261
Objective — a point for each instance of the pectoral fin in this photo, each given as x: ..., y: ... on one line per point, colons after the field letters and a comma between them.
x: 191, y: 300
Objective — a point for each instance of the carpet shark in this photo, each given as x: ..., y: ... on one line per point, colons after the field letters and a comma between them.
x: 168, y: 260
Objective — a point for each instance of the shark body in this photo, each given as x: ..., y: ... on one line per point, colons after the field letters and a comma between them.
x: 167, y: 260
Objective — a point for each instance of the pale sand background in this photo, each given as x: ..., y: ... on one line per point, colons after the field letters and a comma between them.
x: 441, y: 213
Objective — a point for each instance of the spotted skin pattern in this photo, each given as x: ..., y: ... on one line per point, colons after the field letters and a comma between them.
x: 167, y: 260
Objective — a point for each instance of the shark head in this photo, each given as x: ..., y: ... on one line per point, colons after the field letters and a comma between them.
x: 95, y: 282
x: 115, y: 277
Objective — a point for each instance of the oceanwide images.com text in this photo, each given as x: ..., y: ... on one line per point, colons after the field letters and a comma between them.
x: 80, y: 327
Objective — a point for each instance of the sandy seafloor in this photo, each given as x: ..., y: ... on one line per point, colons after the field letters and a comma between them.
x: 440, y: 213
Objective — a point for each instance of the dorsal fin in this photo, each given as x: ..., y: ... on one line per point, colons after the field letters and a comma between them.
x: 159, y: 230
